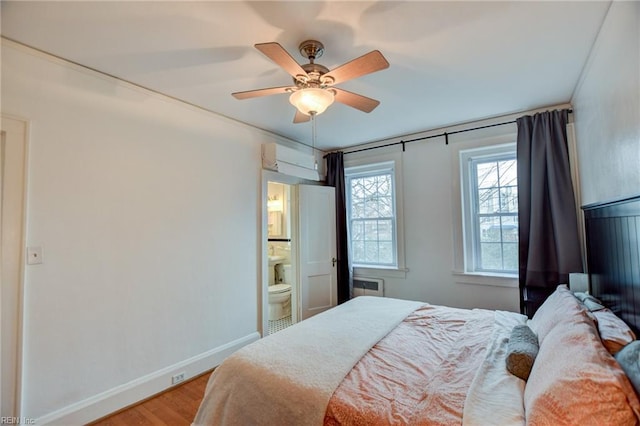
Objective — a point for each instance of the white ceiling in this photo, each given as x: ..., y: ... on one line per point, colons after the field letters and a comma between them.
x: 451, y: 62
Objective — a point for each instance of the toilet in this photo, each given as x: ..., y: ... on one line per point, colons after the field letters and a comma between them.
x: 280, y: 294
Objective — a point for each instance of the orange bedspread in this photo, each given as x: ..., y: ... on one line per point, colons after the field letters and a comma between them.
x: 418, y: 374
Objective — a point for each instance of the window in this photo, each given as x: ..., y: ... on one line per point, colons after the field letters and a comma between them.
x: 490, y: 203
x: 371, y: 212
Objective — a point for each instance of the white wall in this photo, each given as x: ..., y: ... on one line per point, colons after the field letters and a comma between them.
x: 607, y: 109
x: 150, y: 237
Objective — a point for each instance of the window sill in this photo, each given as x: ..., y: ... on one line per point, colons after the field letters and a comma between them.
x: 493, y: 280
x: 361, y: 271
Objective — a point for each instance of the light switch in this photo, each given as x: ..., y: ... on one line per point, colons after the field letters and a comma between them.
x: 34, y: 255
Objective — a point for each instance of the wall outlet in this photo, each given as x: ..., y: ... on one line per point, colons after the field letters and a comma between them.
x: 177, y: 378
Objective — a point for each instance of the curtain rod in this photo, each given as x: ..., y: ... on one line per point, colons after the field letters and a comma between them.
x: 445, y: 134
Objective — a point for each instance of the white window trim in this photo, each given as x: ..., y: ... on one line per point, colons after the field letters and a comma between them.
x: 372, y: 162
x: 460, y: 272
x: 468, y: 200
x: 377, y: 169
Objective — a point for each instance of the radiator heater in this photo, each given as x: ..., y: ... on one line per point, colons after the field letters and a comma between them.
x: 368, y: 287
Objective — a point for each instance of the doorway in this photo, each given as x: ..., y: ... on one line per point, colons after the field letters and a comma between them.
x: 13, y: 143
x: 300, y: 235
x: 282, y: 244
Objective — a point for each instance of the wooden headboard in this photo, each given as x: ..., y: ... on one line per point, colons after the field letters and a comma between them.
x: 613, y: 256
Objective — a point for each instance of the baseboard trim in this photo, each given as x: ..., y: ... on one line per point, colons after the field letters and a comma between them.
x: 114, y: 399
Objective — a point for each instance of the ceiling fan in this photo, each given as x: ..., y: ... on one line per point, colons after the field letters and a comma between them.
x: 313, y: 90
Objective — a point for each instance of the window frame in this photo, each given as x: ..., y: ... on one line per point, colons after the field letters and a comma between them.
x: 468, y: 190
x: 373, y: 164
x: 373, y: 170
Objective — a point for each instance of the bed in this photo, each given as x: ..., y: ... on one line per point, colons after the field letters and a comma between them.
x: 381, y: 361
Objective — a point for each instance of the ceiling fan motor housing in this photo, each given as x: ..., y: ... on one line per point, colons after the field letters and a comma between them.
x: 313, y: 77
x: 312, y: 49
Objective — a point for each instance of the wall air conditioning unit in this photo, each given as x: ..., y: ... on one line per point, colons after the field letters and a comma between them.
x: 289, y: 161
x: 368, y: 287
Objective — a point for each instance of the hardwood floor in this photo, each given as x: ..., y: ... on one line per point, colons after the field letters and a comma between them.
x: 175, y: 407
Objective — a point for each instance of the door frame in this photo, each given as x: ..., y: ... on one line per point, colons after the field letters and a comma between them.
x: 263, y: 290
x: 14, y: 143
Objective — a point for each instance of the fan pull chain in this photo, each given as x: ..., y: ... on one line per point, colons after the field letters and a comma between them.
x: 313, y: 139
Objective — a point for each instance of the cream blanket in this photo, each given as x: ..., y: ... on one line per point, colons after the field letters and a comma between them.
x: 289, y: 377
x: 496, y: 396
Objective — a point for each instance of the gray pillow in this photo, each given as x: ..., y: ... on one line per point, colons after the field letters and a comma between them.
x: 522, y: 350
x: 589, y: 301
x: 593, y: 304
x: 629, y: 359
x: 580, y: 295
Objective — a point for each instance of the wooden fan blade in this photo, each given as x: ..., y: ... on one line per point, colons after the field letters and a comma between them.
x: 365, y: 64
x: 354, y: 100
x: 277, y: 54
x: 261, y: 92
x: 300, y: 117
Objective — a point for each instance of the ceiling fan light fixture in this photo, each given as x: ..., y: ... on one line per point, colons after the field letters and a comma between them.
x: 312, y: 100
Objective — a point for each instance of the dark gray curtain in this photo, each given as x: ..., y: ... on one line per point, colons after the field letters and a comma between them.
x: 335, y: 178
x: 549, y: 246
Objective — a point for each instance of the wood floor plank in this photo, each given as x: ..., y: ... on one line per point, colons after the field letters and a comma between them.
x: 175, y: 407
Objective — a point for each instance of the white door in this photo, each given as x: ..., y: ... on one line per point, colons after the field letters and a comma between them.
x: 12, y: 171
x: 317, y: 249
